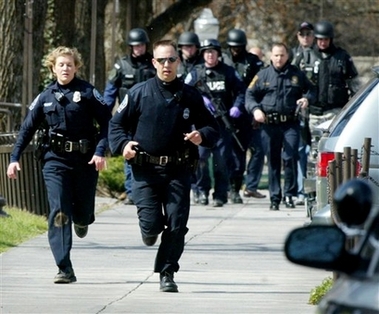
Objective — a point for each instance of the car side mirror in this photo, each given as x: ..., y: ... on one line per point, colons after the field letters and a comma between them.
x: 320, y: 247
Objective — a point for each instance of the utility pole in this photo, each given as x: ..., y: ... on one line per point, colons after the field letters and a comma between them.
x: 93, y: 42
x: 27, y: 76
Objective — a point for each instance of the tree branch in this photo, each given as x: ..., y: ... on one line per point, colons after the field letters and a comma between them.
x: 176, y: 13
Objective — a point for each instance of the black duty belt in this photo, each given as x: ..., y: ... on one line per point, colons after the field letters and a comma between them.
x: 276, y: 118
x: 60, y: 144
x: 143, y: 158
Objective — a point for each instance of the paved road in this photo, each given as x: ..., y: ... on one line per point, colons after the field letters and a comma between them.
x: 233, y: 263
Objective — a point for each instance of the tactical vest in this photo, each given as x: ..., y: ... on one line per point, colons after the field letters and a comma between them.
x: 308, y: 61
x: 216, y: 83
x: 333, y: 90
x: 132, y: 75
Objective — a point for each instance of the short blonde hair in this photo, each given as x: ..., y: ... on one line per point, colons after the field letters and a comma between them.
x: 51, y: 58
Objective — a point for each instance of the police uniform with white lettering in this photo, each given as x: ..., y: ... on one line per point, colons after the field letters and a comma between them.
x: 72, y: 139
x: 276, y: 92
x: 222, y: 85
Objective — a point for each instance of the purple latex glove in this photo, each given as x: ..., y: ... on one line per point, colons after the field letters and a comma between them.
x: 209, y: 105
x: 234, y: 112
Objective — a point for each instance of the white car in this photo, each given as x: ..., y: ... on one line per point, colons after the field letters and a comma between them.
x: 359, y: 119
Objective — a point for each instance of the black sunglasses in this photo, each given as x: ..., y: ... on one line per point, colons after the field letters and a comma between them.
x: 169, y: 59
x: 307, y: 34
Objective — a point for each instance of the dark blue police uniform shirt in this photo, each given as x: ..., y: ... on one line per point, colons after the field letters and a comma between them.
x: 158, y: 124
x: 73, y: 115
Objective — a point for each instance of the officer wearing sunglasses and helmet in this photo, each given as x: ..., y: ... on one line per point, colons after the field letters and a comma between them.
x: 158, y: 128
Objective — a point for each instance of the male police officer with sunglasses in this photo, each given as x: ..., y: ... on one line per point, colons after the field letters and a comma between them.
x: 157, y: 128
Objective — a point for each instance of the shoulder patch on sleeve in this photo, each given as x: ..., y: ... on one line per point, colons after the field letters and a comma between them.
x: 253, y: 81
x: 123, y: 104
x: 98, y: 96
x: 33, y: 104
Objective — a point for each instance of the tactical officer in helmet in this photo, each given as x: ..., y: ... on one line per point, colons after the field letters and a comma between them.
x: 337, y: 76
x: 224, y: 93
x: 128, y: 71
x: 188, y: 44
x: 307, y: 59
x: 247, y: 65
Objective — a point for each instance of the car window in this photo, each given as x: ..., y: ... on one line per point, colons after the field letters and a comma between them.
x: 344, y: 117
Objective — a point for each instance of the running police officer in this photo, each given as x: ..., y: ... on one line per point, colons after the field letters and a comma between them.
x: 128, y: 71
x: 273, y: 97
x: 247, y: 65
x: 166, y: 119
x: 72, y: 155
x: 224, y: 91
x: 337, y: 76
x: 188, y: 44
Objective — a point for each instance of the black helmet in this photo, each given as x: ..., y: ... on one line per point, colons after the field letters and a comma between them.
x: 324, y: 29
x: 352, y: 202
x: 137, y: 36
x: 211, y: 44
x: 188, y: 38
x: 236, y: 37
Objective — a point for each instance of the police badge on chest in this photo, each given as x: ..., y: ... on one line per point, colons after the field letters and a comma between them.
x: 186, y: 113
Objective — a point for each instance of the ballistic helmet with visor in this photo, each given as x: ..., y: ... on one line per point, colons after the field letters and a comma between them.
x: 236, y: 37
x: 188, y: 39
x: 324, y: 29
x: 211, y: 44
x: 137, y: 36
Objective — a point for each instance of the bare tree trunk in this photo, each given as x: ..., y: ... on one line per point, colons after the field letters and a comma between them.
x: 11, y: 52
x: 83, y: 39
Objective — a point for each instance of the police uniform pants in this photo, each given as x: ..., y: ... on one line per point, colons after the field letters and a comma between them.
x: 221, y: 154
x: 282, y: 145
x: 256, y: 161
x: 238, y: 156
x: 71, y: 188
x: 162, y: 197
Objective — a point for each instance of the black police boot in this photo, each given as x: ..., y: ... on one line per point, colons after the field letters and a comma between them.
x: 196, y: 197
x: 274, y: 206
x: 150, y: 241
x: 167, y: 283
x: 203, y: 199
x: 289, y: 202
x: 236, y: 185
x: 81, y: 231
x: 65, y: 276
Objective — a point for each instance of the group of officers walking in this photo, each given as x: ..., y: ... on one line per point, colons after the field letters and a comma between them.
x: 232, y: 92
x: 176, y: 109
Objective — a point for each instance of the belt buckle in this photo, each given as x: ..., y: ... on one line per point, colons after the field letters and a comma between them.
x: 68, y: 146
x: 163, y: 160
x: 283, y: 118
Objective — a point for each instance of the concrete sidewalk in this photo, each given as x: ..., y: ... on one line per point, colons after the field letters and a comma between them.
x: 233, y: 262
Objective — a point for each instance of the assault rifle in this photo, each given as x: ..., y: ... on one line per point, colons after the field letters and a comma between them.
x: 220, y: 111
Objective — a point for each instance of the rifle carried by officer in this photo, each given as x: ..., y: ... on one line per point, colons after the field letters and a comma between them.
x: 219, y: 111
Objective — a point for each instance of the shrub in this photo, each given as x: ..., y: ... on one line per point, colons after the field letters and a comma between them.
x: 318, y: 293
x: 111, y: 180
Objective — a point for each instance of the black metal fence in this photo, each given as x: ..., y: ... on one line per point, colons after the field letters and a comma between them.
x: 28, y: 192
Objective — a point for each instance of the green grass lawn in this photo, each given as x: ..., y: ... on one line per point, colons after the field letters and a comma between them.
x: 18, y: 227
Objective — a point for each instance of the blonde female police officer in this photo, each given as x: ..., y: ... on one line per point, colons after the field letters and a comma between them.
x: 73, y: 155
